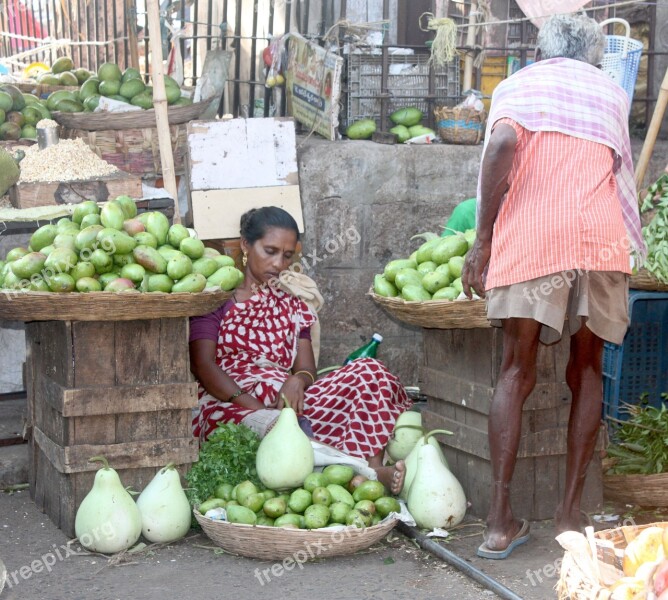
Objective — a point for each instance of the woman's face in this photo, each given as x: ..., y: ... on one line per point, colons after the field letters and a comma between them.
x: 270, y: 255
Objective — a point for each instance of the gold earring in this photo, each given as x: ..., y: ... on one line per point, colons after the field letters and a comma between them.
x: 244, y: 259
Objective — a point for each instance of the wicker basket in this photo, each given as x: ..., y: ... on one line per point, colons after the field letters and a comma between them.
x: 135, y: 151
x: 644, y: 280
x: 578, y: 582
x: 436, y: 314
x: 106, y: 306
x: 643, y: 490
x: 460, y: 125
x: 135, y: 119
x: 277, y: 543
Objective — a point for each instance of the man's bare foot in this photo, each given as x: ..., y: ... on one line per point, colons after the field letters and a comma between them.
x: 571, y: 520
x: 392, y: 477
x: 500, y: 538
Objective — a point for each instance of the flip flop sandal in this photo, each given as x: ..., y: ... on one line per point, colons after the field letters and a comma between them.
x: 521, y: 537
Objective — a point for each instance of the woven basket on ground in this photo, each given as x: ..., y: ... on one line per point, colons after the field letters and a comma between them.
x: 41, y: 89
x: 135, y: 119
x: 277, y: 543
x: 106, y: 306
x: 643, y: 490
x: 460, y: 125
x: 436, y: 314
x: 644, y: 280
x: 578, y: 582
x: 135, y: 151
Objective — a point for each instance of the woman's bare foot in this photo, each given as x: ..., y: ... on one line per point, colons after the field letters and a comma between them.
x: 392, y: 477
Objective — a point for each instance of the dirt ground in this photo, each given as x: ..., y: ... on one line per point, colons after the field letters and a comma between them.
x: 39, y: 567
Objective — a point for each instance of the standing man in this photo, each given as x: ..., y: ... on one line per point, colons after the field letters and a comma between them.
x: 557, y: 223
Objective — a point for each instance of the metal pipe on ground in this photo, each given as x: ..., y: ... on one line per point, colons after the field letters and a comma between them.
x: 458, y: 563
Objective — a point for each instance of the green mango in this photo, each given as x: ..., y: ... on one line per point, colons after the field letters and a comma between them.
x: 205, y: 266
x: 338, y: 511
x: 62, y: 64
x: 157, y: 224
x: 222, y: 260
x: 192, y: 247
x: 144, y: 238
x: 120, y: 260
x: 240, y: 514
x: 274, y: 507
x: 128, y: 205
x: 434, y: 281
x: 169, y: 252
x: 44, y: 236
x: 106, y: 278
x: 114, y: 241
x: 37, y: 284
x: 415, y: 293
x: 87, y: 237
x: 83, y: 269
x: 210, y: 504
x: 316, y: 516
x: 224, y: 491
x: 453, y: 245
x: 159, y: 283
x: 383, y: 287
x: 88, y: 284
x: 120, y: 284
x: 424, y: 252
x: 88, y: 207
x: 359, y: 519
x: 455, y: 266
x: 341, y: 494
x: 446, y: 293
x: 133, y: 272
x: 102, y: 261
x: 89, y: 220
x: 176, y: 234
x: 112, y: 215
x: 16, y: 253
x: 150, y: 259
x: 65, y: 240
x: 193, y: 283
x: 338, y: 474
x: 28, y: 265
x: 179, y: 266
x: 300, y: 500
x: 406, y: 277
x: 427, y: 267
x: 393, y: 267
x: 314, y: 480
x: 61, y: 282
x: 64, y: 225
x: 369, y: 490
x: 227, y: 278
x: 61, y: 260
x: 291, y: 521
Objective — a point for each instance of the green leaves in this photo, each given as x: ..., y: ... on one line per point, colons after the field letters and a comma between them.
x: 656, y: 232
x: 227, y: 456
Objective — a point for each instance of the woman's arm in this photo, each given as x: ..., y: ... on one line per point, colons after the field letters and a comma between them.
x: 217, y: 383
x: 303, y: 375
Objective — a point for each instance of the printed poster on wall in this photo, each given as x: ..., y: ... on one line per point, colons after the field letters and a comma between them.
x: 313, y: 85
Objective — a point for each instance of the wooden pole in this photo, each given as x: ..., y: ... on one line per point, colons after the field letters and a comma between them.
x: 160, y: 105
x: 652, y: 132
x: 467, y: 83
x: 131, y: 15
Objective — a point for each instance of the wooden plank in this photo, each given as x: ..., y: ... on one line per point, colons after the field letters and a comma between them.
x: 137, y: 352
x: 216, y: 213
x: 174, y: 357
x: 43, y: 193
x: 93, y: 355
x: 242, y: 153
x: 56, y: 340
x: 138, y: 454
x: 87, y: 402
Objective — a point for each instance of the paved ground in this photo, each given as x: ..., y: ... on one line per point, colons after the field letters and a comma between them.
x: 395, y: 568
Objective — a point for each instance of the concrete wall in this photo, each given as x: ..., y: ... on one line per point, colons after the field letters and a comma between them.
x: 362, y: 202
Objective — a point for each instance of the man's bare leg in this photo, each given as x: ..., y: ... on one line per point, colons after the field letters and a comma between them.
x: 516, y: 381
x: 584, y: 378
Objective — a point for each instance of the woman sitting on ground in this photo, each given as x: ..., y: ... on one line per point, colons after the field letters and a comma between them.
x: 254, y: 353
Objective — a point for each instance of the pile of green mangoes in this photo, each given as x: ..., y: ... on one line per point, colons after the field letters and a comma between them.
x: 19, y: 113
x: 113, y: 249
x: 408, y: 124
x: 335, y: 496
x: 432, y: 272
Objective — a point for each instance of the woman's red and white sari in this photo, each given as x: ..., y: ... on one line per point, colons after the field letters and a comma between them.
x: 353, y: 408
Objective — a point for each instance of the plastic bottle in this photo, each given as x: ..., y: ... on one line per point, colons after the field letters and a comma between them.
x: 366, y: 351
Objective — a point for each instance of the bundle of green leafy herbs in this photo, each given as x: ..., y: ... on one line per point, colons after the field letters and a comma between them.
x: 228, y: 456
x: 640, y: 443
x: 656, y: 232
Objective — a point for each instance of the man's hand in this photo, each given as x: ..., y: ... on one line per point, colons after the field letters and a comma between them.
x: 474, y: 268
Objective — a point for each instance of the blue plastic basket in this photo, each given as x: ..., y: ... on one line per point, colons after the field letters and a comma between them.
x: 640, y: 364
x: 622, y: 58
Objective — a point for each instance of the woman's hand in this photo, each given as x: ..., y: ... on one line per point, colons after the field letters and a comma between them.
x: 293, y: 391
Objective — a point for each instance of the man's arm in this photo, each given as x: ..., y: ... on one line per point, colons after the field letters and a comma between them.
x: 496, y: 167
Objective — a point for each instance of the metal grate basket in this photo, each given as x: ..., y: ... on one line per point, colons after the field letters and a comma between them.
x: 622, y: 58
x: 408, y: 85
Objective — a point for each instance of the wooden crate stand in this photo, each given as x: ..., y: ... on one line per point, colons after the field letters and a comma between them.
x: 121, y: 389
x: 458, y: 376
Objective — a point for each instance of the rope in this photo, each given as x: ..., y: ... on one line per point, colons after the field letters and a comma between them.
x: 444, y: 45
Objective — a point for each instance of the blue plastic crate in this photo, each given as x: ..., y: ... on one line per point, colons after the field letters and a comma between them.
x: 640, y: 364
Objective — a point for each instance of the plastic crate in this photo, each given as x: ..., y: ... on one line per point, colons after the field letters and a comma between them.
x: 407, y: 85
x: 640, y: 364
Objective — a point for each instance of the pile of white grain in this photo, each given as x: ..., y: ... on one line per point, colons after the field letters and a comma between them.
x: 68, y: 160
